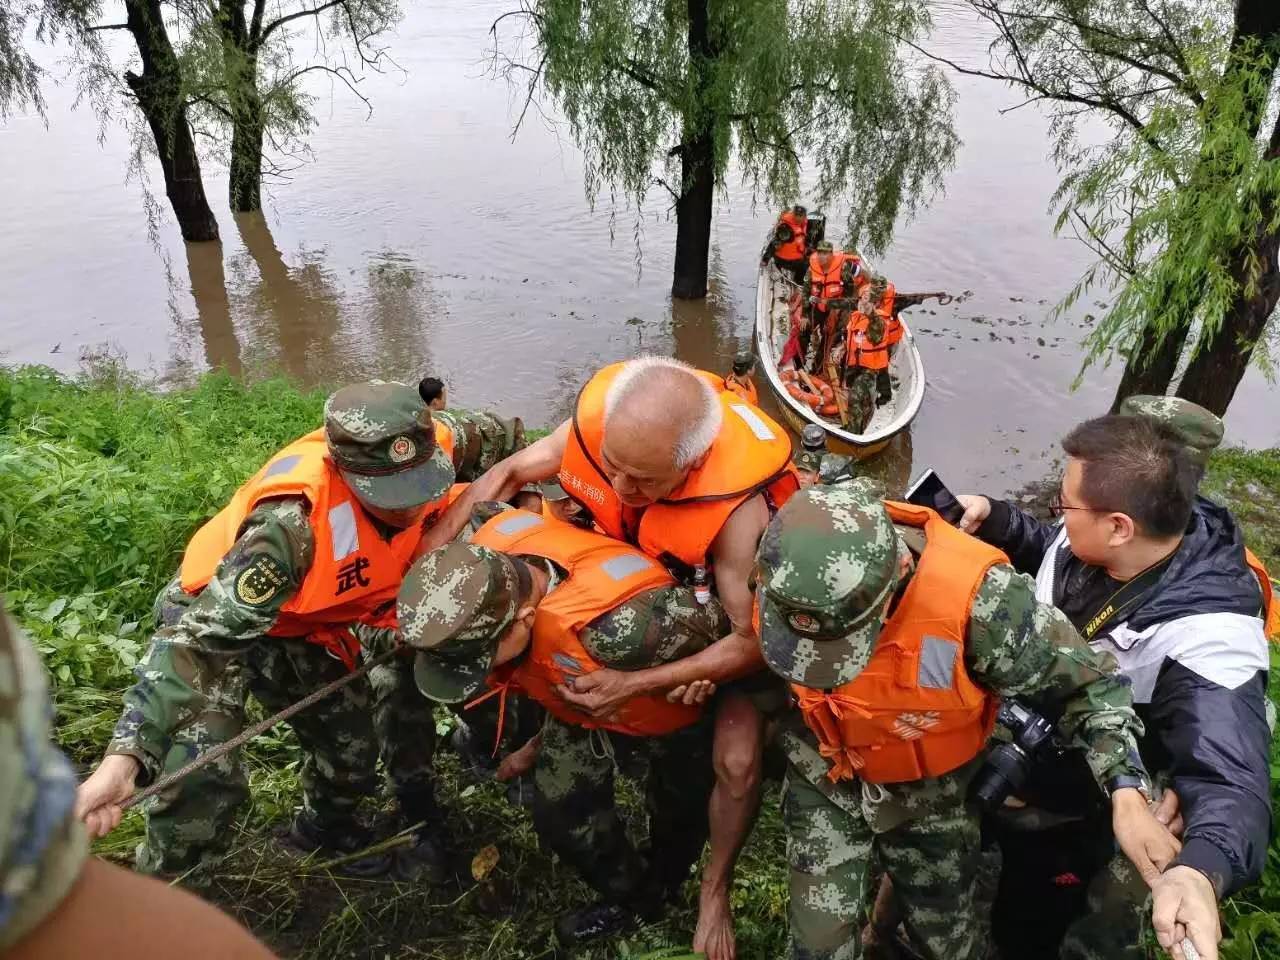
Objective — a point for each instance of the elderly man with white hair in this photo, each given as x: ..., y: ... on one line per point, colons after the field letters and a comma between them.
x: 663, y: 457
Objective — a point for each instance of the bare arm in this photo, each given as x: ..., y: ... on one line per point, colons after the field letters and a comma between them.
x: 738, y: 654
x: 537, y: 462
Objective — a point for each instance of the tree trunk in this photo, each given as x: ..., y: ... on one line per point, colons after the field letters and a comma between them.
x: 158, y: 90
x: 1219, y: 365
x: 240, y: 67
x: 693, y: 219
x: 697, y: 169
x: 1151, y: 368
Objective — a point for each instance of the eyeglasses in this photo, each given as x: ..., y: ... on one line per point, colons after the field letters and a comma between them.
x: 1057, y: 508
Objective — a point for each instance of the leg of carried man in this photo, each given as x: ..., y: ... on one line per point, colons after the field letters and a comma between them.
x: 933, y: 862
x: 829, y: 855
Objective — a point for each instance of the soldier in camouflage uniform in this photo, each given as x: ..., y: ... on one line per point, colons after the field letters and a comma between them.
x: 56, y: 901
x: 453, y: 610
x: 830, y: 559
x: 211, y: 650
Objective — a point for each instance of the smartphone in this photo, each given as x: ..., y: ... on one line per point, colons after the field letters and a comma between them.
x: 930, y: 491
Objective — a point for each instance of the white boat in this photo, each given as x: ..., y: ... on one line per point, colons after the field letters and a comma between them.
x: 774, y: 290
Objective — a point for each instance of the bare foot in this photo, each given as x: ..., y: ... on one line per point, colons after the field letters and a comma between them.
x: 714, y: 934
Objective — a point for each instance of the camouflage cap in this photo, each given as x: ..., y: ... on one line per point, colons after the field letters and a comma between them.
x: 383, y: 441
x: 824, y: 246
x: 455, y: 604
x: 743, y: 362
x: 1199, y: 429
x: 827, y: 565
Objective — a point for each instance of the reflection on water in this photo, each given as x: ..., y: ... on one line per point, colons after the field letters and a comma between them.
x: 213, y: 308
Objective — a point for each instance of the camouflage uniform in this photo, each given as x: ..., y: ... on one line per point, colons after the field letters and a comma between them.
x: 831, y: 555
x: 456, y: 604
x: 211, y: 650
x: 42, y: 845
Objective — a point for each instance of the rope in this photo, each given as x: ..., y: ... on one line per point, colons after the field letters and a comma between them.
x: 262, y: 726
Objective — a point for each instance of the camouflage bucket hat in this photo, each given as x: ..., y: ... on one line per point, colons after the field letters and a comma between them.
x: 454, y: 605
x: 383, y: 441
x: 1199, y: 429
x: 827, y: 564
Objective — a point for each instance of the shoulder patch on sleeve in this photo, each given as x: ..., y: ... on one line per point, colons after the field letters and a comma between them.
x: 261, y: 580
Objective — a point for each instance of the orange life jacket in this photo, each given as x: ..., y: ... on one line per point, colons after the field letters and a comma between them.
x: 355, y: 574
x: 826, y: 284
x: 750, y: 455
x: 1270, y: 609
x: 913, y: 712
x: 744, y: 387
x: 603, y: 574
x: 794, y: 248
x: 861, y: 351
x: 892, y: 322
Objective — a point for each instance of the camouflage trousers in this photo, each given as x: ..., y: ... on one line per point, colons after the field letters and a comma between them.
x: 861, y: 391
x: 575, y: 811
x: 932, y: 860
x: 1117, y: 923
x: 342, y: 738
x: 481, y: 440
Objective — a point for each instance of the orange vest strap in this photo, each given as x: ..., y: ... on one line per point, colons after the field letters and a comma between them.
x: 1270, y: 609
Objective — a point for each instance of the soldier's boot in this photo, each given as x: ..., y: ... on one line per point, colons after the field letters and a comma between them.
x: 477, y: 759
x: 307, y: 835
x: 614, y: 917
x: 884, y: 388
x: 430, y: 856
x: 604, y: 919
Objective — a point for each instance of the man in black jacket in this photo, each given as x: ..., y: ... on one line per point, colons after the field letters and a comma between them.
x: 1157, y: 576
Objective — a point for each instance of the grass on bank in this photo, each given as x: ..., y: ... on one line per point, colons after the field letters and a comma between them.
x: 101, y: 484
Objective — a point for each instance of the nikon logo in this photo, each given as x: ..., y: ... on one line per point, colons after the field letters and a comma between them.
x: 1092, y: 626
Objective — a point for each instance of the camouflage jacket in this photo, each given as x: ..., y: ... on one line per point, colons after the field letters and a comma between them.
x: 198, y: 637
x: 1016, y: 647
x: 42, y: 845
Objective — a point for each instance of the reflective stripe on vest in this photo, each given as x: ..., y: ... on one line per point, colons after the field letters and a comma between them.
x: 355, y: 573
x: 913, y: 712
x: 602, y: 574
x: 750, y: 455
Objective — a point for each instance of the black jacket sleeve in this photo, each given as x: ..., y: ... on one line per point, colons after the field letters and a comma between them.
x: 1216, y: 743
x: 1020, y: 535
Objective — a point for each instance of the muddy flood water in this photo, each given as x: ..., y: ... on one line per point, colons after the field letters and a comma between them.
x: 422, y: 239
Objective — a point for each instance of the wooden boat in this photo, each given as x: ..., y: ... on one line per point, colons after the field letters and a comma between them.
x: 773, y: 325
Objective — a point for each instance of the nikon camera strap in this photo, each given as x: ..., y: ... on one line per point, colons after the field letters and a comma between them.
x: 1124, y: 600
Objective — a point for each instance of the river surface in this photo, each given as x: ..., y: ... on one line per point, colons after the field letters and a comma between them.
x: 423, y: 239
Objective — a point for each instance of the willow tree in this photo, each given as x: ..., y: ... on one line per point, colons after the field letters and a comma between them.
x: 44, y: 21
x: 1182, y: 203
x: 676, y: 94
x: 246, y: 61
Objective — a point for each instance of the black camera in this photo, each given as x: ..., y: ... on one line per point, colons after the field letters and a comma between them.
x: 1008, y: 765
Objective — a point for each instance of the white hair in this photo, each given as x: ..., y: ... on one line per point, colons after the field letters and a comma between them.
x: 697, y: 428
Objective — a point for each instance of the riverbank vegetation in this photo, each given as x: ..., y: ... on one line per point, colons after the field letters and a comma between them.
x: 101, y: 484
